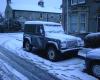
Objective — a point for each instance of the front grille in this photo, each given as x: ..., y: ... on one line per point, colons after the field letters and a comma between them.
x: 72, y: 44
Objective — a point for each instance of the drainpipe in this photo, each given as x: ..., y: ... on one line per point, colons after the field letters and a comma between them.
x: 67, y: 17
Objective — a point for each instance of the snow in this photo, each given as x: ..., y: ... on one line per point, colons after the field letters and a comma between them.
x: 18, y: 74
x: 53, y: 28
x: 94, y: 54
x: 41, y: 22
x: 70, y: 69
x: 94, y: 34
x: 84, y: 52
x: 57, y: 32
x: 62, y: 37
x: 32, y: 5
x: 9, y: 71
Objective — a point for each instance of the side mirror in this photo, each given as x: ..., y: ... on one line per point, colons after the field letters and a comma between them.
x: 42, y: 32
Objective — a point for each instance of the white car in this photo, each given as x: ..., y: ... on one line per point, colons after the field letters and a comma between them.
x: 49, y: 36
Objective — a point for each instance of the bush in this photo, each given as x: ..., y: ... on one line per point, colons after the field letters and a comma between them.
x: 12, y: 25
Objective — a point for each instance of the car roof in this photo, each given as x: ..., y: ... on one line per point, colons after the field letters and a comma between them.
x: 93, y: 34
x: 41, y: 22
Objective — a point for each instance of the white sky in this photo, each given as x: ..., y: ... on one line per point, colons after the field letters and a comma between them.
x: 48, y: 3
x: 2, y: 6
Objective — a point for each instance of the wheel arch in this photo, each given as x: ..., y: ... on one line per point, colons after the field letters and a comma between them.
x: 51, y: 45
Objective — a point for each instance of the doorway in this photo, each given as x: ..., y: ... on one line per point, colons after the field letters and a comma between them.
x: 98, y: 24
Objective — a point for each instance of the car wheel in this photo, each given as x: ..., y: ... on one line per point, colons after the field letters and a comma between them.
x: 96, y: 70
x: 28, y: 46
x: 52, y: 54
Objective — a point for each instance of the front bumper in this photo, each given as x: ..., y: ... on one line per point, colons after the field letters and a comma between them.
x: 71, y: 49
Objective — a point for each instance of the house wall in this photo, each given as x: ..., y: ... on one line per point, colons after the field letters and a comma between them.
x: 89, y: 8
x: 93, y: 15
x: 64, y: 14
x: 32, y: 15
x: 23, y: 16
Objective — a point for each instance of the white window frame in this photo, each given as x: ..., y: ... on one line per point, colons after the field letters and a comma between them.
x: 83, y: 22
x: 82, y: 2
x: 74, y: 3
x: 73, y: 22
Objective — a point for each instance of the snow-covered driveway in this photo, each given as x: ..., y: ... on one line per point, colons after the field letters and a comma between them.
x: 70, y: 69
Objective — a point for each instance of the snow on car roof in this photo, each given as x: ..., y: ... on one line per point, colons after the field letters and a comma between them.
x: 41, y: 22
x: 32, y: 5
x: 94, y: 34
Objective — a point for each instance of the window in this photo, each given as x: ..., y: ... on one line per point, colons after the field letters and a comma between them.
x: 29, y: 28
x: 73, y: 2
x: 81, y: 1
x: 82, y: 22
x: 41, y: 16
x: 41, y: 3
x: 73, y: 23
x: 39, y: 30
x: 52, y: 17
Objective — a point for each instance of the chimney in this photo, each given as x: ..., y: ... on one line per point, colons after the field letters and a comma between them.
x: 8, y: 1
x: 61, y: 6
x: 41, y: 3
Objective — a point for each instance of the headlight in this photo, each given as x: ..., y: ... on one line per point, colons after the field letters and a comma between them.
x: 63, y: 44
x: 80, y: 42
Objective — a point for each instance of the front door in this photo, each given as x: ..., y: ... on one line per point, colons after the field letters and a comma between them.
x: 98, y: 24
x: 40, y: 37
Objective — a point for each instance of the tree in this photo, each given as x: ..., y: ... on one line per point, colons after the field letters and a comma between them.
x: 1, y: 23
x: 1, y: 18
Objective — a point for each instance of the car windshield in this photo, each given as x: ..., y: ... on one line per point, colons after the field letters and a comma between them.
x: 53, y: 29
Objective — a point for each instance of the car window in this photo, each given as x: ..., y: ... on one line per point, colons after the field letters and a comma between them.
x: 30, y: 28
x: 39, y: 29
x: 53, y: 29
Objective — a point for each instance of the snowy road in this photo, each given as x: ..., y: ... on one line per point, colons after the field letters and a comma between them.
x: 24, y: 67
x: 69, y: 69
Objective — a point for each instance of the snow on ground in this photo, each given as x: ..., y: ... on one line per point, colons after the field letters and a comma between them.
x: 70, y: 69
x: 3, y: 72
x: 9, y: 73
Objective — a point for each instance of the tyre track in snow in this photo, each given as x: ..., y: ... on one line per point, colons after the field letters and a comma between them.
x: 25, y: 67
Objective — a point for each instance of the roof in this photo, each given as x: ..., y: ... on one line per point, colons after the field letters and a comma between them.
x: 41, y: 22
x: 32, y: 5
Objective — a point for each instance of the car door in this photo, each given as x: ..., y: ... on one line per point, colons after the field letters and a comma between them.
x: 40, y: 37
x: 32, y: 34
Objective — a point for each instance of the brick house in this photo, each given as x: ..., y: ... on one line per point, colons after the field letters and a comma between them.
x: 36, y: 10
x: 81, y: 16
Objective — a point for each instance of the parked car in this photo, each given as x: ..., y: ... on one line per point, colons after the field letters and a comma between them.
x: 93, y: 62
x: 49, y: 36
x: 92, y: 40
x: 81, y: 35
